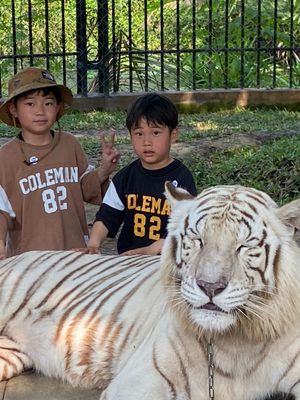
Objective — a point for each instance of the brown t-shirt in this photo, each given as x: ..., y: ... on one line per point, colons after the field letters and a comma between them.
x: 42, y: 204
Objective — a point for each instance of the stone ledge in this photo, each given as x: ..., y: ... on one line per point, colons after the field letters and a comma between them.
x: 199, y: 100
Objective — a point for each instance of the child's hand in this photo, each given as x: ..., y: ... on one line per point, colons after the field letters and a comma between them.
x: 109, y: 157
x: 93, y: 250
x: 137, y: 252
x: 151, y: 250
x: 2, y: 250
x: 87, y: 250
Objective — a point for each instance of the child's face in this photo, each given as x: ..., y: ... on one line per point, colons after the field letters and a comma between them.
x: 152, y: 143
x: 36, y: 112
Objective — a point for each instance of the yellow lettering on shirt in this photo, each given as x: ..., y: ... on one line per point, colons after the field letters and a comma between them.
x: 156, y: 205
x: 166, y: 210
x: 146, y: 205
x: 131, y: 201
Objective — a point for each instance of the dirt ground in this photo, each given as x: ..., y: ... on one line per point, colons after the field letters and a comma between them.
x: 203, y: 146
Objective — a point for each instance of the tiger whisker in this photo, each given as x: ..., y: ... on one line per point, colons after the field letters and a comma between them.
x: 264, y: 291
x: 261, y: 305
x: 257, y: 303
x: 251, y: 311
x: 243, y: 313
x: 258, y: 299
x: 180, y: 302
x: 260, y: 311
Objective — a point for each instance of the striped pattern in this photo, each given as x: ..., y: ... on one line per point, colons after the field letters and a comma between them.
x: 81, y: 299
x: 137, y: 328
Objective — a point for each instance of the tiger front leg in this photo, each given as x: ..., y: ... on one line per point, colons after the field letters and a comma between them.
x: 12, y: 360
x: 146, y: 386
x: 112, y: 393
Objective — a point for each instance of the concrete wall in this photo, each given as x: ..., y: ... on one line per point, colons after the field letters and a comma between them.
x: 200, y: 100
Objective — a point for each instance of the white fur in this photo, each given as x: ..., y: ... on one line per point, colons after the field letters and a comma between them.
x: 139, y: 327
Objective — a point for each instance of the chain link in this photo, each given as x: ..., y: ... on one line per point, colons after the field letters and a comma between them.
x: 211, y: 367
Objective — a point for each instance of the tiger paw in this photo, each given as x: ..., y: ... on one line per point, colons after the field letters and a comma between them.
x: 12, y: 360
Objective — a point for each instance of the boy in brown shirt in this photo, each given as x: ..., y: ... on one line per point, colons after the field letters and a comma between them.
x: 44, y: 175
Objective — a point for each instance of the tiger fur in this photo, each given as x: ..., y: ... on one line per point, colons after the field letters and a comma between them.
x: 139, y: 328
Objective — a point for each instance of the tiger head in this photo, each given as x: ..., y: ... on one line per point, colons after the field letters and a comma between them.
x: 230, y: 262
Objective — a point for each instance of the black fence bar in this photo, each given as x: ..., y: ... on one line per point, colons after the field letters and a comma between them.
x: 194, y: 28
x: 14, y: 33
x: 291, y: 63
x: 131, y: 46
x: 115, y: 75
x: 63, y: 43
x: 36, y: 55
x: 274, y: 44
x: 47, y: 34
x: 30, y: 36
x: 206, y: 50
x: 162, y: 60
x: 242, y: 83
x: 177, y: 45
x: 103, y: 71
x: 210, y: 37
x: 81, y: 41
x: 258, y: 43
x: 146, y: 87
x: 226, y: 36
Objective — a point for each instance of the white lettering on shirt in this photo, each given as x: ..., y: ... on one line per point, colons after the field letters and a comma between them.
x: 48, y: 178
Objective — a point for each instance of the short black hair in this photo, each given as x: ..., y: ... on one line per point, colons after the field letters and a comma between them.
x: 45, y: 91
x: 155, y: 108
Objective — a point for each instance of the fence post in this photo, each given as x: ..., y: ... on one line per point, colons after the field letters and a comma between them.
x: 103, y: 51
x: 81, y: 47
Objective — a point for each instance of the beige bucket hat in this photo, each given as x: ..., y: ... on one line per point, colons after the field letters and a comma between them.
x: 30, y: 79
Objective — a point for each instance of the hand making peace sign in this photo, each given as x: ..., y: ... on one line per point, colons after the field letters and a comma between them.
x: 109, y: 157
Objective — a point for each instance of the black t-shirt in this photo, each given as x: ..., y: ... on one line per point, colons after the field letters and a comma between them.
x: 135, y: 198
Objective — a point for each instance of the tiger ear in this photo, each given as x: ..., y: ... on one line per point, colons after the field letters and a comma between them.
x: 290, y: 215
x: 175, y: 194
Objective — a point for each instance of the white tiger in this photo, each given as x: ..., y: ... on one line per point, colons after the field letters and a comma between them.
x: 216, y: 317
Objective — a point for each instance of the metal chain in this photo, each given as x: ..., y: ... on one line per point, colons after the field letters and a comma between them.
x: 211, y: 367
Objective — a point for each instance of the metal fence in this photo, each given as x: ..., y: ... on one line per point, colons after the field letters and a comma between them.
x: 118, y: 46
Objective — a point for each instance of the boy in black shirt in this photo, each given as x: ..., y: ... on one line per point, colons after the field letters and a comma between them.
x: 135, y: 195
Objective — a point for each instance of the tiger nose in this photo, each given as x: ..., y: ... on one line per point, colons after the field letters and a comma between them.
x: 211, y: 289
